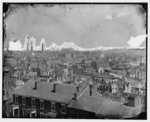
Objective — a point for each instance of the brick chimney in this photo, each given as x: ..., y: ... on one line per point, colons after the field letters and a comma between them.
x: 90, y: 88
x: 35, y: 87
x: 54, y: 87
x: 78, y: 87
x: 75, y: 96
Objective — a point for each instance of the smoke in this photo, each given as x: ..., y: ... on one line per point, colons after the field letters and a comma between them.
x: 136, y: 41
x: 15, y: 45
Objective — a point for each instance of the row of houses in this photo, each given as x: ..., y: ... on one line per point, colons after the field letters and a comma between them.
x: 55, y: 100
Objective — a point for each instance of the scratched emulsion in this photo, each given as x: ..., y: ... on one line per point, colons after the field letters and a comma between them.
x: 87, y: 26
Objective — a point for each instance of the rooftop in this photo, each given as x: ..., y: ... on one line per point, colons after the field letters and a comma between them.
x: 102, y: 106
x: 87, y: 102
x: 64, y: 92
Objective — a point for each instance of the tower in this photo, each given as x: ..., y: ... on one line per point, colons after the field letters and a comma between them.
x: 31, y: 45
x: 42, y: 44
x: 42, y: 47
x: 27, y: 44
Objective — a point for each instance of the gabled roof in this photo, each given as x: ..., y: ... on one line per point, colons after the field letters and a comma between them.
x: 64, y: 92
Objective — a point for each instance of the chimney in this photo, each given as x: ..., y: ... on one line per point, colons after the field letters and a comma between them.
x: 54, y: 87
x: 78, y: 88
x: 42, y: 47
x: 31, y: 46
x: 75, y: 96
x: 90, y: 88
x: 35, y: 87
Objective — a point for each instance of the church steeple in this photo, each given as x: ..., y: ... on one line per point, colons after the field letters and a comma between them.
x: 31, y: 45
x: 27, y: 43
x: 42, y: 44
x: 42, y: 47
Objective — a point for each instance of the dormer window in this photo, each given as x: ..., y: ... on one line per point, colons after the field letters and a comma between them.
x: 23, y: 100
x: 41, y: 104
x: 33, y: 102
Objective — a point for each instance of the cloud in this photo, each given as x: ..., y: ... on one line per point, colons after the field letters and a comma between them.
x: 136, y: 41
x: 84, y: 25
x: 15, y: 45
x: 108, y: 16
x: 120, y: 14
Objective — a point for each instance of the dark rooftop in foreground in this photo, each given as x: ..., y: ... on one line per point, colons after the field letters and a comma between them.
x: 64, y: 92
x: 103, y: 106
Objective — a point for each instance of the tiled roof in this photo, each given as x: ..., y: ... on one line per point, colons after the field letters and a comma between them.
x: 64, y: 93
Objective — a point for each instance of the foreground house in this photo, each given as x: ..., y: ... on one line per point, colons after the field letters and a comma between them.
x: 54, y: 100
x: 41, y: 99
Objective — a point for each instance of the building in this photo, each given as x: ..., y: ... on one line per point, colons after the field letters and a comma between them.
x: 54, y: 100
x: 137, y: 72
x: 90, y: 104
x: 134, y: 100
x: 102, y: 66
x: 41, y: 99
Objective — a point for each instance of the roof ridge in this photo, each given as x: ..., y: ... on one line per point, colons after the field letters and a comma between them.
x: 82, y: 93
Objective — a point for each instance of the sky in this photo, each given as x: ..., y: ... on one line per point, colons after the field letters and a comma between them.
x: 87, y: 26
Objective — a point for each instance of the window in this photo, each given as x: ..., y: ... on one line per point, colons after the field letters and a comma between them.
x: 52, y: 106
x: 16, y: 99
x: 41, y: 104
x: 23, y: 100
x: 33, y: 102
x: 63, y: 108
x: 42, y: 114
